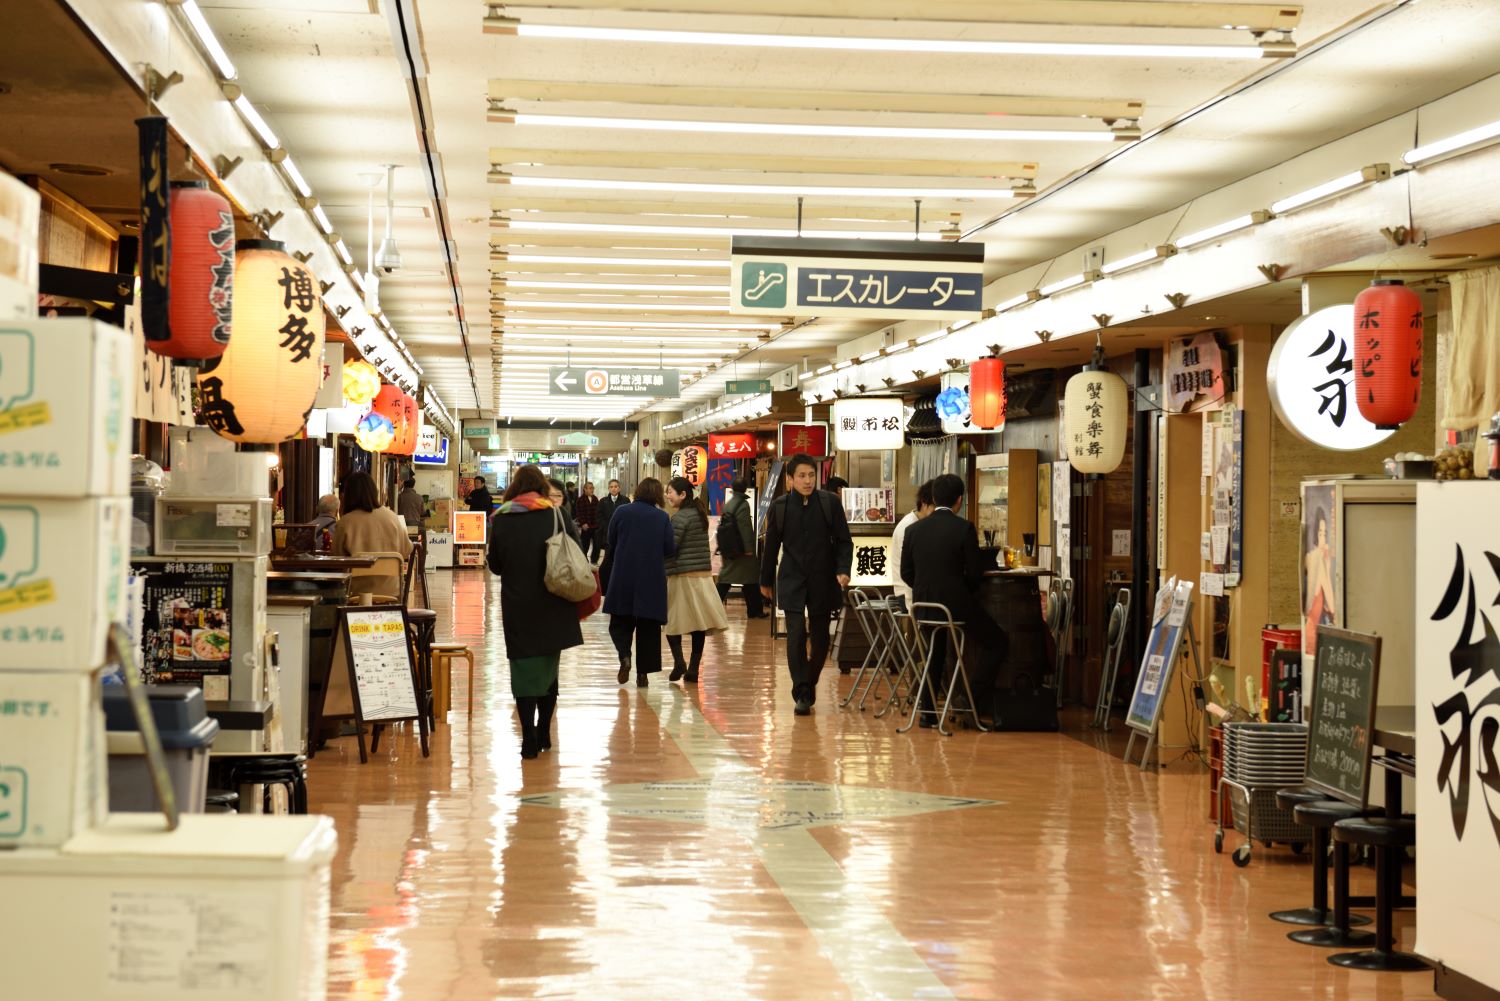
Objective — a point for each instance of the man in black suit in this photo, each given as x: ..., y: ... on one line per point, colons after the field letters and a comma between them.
x: 608, y: 505
x: 940, y: 563
x: 808, y: 529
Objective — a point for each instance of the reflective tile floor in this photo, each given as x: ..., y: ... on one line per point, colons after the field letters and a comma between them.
x: 704, y: 843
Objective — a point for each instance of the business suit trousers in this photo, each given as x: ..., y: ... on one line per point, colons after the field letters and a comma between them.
x: 807, y: 641
x: 647, y: 636
x: 984, y: 646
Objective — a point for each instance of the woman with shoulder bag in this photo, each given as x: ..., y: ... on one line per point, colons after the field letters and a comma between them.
x: 538, y: 624
x: 635, y: 598
x: 693, y: 605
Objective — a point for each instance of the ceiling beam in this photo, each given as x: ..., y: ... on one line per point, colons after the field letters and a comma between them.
x: 717, y: 209
x: 729, y: 163
x: 1107, y: 109
x: 1112, y: 13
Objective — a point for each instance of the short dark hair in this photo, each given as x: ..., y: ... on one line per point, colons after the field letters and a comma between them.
x: 798, y: 461
x: 650, y: 491
x: 615, y: 482
x: 358, y: 493
x: 411, y: 481
x: 947, y: 490
x: 525, y: 480
x: 740, y: 485
x: 479, y: 480
x: 924, y: 495
x: 558, y: 485
x: 835, y: 483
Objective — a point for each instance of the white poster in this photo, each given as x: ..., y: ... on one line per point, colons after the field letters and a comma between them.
x: 1458, y: 716
x: 1064, y: 553
x: 1062, y: 492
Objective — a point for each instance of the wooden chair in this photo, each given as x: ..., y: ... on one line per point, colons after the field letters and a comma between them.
x: 385, y: 579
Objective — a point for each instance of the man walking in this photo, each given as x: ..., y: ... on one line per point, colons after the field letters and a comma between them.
x: 809, y: 532
x: 940, y: 563
x: 479, y: 498
x: 608, y: 505
x: 586, y: 517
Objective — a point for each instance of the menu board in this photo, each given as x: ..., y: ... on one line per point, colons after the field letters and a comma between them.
x: 470, y: 528
x: 869, y: 505
x: 1173, y: 603
x: 380, y: 664
x: 185, y: 629
x: 1345, y: 680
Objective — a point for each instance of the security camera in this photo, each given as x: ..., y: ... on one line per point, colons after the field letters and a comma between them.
x: 388, y: 257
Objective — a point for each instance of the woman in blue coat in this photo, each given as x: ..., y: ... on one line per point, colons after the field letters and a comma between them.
x: 640, y: 541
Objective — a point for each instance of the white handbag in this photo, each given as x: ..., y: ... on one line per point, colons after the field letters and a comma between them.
x: 569, y: 573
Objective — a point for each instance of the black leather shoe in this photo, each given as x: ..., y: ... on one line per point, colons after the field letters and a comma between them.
x: 642, y: 680
x: 624, y: 674
x: 678, y: 670
x: 691, y: 677
x: 802, y: 708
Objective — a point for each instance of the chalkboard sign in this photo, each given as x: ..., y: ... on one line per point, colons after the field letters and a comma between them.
x: 1345, y: 679
x: 382, y: 675
x: 1174, y: 603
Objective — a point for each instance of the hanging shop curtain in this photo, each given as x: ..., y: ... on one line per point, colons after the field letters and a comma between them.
x: 1473, y: 374
x: 933, y: 458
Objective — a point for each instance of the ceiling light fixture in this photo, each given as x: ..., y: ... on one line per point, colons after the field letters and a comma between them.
x: 342, y: 250
x: 825, y: 370
x: 1353, y: 179
x: 1442, y: 147
x: 635, y: 262
x: 784, y: 190
x: 640, y: 307
x: 804, y: 376
x: 929, y: 338
x: 1030, y: 295
x: 1063, y: 284
x: 529, y: 226
x: 299, y: 183
x: 802, y: 129
x: 869, y: 356
x: 207, y: 39
x: 1223, y: 229
x: 616, y: 286
x: 256, y: 122
x: 905, y: 45
x: 1136, y: 260
x: 639, y: 325
x: 618, y: 339
x: 321, y: 218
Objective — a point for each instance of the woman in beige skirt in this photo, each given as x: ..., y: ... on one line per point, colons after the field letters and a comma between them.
x: 693, y: 605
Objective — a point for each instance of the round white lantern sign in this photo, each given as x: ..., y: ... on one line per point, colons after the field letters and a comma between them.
x: 1311, y: 380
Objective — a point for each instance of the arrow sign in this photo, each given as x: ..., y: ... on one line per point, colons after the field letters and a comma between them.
x: 650, y: 382
x: 565, y: 380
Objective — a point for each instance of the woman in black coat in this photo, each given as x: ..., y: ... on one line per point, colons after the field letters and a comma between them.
x: 539, y: 625
x: 640, y: 540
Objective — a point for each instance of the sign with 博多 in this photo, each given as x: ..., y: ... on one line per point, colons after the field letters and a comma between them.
x: 1311, y: 380
x: 569, y: 381
x: 807, y: 276
x: 747, y: 387
x: 868, y: 424
x: 803, y: 439
x: 731, y: 446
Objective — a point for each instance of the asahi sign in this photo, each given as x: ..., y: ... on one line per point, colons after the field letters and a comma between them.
x: 873, y: 279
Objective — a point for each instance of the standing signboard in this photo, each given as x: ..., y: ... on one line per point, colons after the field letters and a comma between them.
x: 1170, y: 622
x: 1341, y: 714
x: 383, y: 683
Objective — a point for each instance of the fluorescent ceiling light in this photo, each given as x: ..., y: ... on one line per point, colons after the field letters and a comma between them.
x: 796, y: 129
x: 638, y: 306
x: 639, y: 324
x: 1327, y: 189
x: 960, y: 325
x: 321, y: 218
x: 1432, y: 150
x: 1016, y: 300
x: 804, y: 376
x: 256, y: 122
x: 618, y: 339
x: 870, y: 356
x: 1135, y: 260
x: 825, y: 370
x: 342, y: 250
x: 529, y: 226
x: 898, y: 346
x: 929, y: 338
x: 1063, y: 284
x: 639, y: 262
x: 935, y: 45
x: 1222, y: 229
x: 617, y: 286
x: 843, y: 364
x: 298, y: 181
x: 207, y: 39
x: 784, y: 190
x: 649, y: 350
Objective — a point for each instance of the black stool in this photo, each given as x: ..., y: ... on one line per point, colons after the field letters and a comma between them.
x: 1320, y: 817
x: 1318, y: 914
x: 1387, y: 834
x: 221, y: 801
x: 270, y: 769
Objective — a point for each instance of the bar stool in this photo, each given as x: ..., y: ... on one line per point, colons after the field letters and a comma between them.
x: 1318, y: 914
x: 902, y: 633
x: 927, y: 631
x: 1320, y: 816
x: 1387, y: 834
x: 443, y: 655
x: 424, y: 629
x: 221, y: 801
x: 270, y: 769
x: 876, y: 651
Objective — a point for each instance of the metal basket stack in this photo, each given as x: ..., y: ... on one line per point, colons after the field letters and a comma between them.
x: 1260, y: 758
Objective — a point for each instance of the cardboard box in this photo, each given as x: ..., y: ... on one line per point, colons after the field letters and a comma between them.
x: 66, y: 394
x: 63, y: 565
x: 53, y: 774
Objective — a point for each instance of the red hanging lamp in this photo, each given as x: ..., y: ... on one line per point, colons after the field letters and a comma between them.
x: 1388, y: 353
x: 200, y: 274
x: 987, y: 393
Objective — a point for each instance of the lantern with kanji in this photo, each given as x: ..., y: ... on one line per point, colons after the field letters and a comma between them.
x: 387, y: 404
x: 1387, y: 353
x: 200, y: 274
x: 1097, y: 419
x: 407, y: 427
x: 987, y: 393
x: 695, y: 464
x: 262, y: 387
x: 361, y: 383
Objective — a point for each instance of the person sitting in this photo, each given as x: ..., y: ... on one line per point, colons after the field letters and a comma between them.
x: 328, y: 516
x: 366, y: 527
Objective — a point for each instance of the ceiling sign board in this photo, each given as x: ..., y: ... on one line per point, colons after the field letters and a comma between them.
x: 869, y: 424
x: 874, y: 279
x: 479, y: 429
x: 432, y: 448
x: 566, y: 381
x: 747, y: 387
x: 578, y: 439
x: 1311, y: 378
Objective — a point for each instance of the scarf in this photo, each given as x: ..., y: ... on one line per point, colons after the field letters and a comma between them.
x: 525, y: 503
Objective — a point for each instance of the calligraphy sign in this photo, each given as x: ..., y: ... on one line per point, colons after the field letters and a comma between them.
x: 873, y: 566
x: 1310, y: 376
x: 869, y: 423
x: 803, y: 439
x: 863, y: 278
x: 731, y: 446
x: 155, y: 232
x: 1195, y: 375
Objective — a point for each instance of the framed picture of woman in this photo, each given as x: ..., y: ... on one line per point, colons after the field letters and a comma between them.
x: 1321, y: 595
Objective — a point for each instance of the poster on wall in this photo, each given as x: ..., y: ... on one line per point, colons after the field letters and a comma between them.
x: 185, y: 634
x: 873, y: 566
x: 869, y: 505
x: 1227, y: 471
x: 1062, y: 492
x: 1044, y: 504
x: 1320, y: 563
x: 1458, y: 709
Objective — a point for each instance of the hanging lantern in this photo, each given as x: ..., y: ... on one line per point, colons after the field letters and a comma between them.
x: 695, y: 464
x: 387, y: 404
x: 407, y: 427
x: 374, y: 432
x: 262, y: 387
x: 200, y: 275
x: 361, y: 383
x: 987, y: 393
x: 1387, y: 353
x: 1097, y: 418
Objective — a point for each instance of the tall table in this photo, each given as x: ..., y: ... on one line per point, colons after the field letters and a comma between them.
x: 1014, y: 600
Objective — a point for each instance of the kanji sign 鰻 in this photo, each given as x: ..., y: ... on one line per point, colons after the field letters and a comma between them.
x: 566, y: 381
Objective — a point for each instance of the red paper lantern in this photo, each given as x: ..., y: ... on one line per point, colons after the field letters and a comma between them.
x: 1387, y: 353
x: 201, y: 273
x: 411, y: 419
x: 987, y: 393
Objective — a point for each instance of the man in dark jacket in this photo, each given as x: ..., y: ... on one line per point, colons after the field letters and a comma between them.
x: 940, y: 562
x: 586, y: 515
x: 608, y: 505
x: 479, y: 498
x: 810, y: 534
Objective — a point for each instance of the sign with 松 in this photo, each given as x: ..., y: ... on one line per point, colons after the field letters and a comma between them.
x: 808, y: 276
x: 1311, y: 379
x: 868, y: 424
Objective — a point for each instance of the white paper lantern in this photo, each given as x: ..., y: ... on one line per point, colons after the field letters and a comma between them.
x: 1097, y: 420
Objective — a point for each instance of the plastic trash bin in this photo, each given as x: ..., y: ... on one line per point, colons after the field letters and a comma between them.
x: 186, y: 732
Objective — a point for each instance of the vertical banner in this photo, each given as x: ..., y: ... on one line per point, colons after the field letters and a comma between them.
x: 720, y: 476
x: 156, y: 234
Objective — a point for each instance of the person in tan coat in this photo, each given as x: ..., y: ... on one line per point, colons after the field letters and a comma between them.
x: 365, y: 527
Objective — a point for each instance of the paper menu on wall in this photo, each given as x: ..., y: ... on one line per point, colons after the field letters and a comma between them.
x: 1119, y: 543
x: 1220, y: 535
x: 1212, y: 584
x: 1205, y: 547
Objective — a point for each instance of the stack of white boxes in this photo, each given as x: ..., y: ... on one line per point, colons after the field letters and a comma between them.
x: 65, y: 423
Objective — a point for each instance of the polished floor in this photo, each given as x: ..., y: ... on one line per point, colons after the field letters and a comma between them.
x: 704, y: 843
